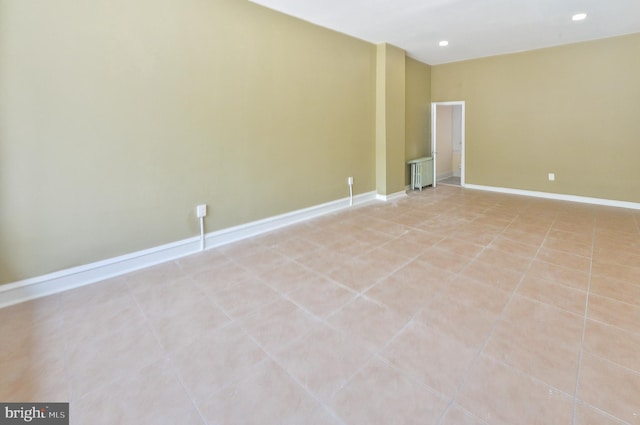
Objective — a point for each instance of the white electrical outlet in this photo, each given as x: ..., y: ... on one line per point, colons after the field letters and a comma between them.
x: 349, y: 180
x: 201, y: 210
x: 552, y: 177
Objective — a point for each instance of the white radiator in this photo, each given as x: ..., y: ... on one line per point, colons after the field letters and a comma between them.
x: 421, y: 172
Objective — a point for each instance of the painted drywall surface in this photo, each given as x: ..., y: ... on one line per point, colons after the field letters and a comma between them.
x: 396, y: 86
x: 571, y: 110
x: 444, y: 138
x: 118, y: 117
x: 417, y: 111
x: 390, y: 119
x: 381, y: 119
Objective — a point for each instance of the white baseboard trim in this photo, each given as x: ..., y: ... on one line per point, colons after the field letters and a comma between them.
x: 52, y: 283
x: 557, y: 196
x: 254, y: 228
x: 444, y: 176
x: 391, y: 197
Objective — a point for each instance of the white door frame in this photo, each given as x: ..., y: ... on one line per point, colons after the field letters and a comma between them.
x: 434, y: 151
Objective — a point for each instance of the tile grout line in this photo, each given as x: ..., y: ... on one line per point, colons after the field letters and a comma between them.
x: 375, y: 354
x: 453, y: 399
x: 584, y: 324
x: 308, y: 391
x: 497, y: 321
x: 147, y: 324
x: 167, y: 356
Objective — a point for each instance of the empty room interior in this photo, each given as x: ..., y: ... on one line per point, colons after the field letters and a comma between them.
x: 212, y: 212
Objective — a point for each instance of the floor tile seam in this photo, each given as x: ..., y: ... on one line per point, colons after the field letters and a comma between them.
x: 635, y: 334
x: 377, y: 353
x: 371, y: 356
x: 475, y: 257
x: 78, y: 308
x: 629, y: 279
x: 410, y: 257
x: 150, y: 326
x: 297, y: 261
x: 326, y: 322
x: 108, y: 382
x: 146, y: 323
x: 342, y: 307
x: 273, y: 358
x: 547, y: 304
x: 617, y: 264
x: 495, y: 324
x: 239, y: 261
x: 536, y: 375
x: 382, y: 222
x: 603, y: 412
x: 335, y: 282
x: 465, y: 411
x: 215, y: 303
x: 555, y: 282
x: 584, y: 331
x: 219, y: 389
x: 180, y: 261
x: 451, y: 252
x: 270, y: 285
x: 636, y: 306
x: 410, y: 377
x: 405, y: 373
x: 281, y: 347
x: 187, y: 393
x: 409, y: 229
x: 370, y: 247
x: 535, y: 258
x: 210, y: 269
x: 564, y: 267
x: 323, y: 273
x: 281, y: 297
x: 544, y: 304
x: 352, y: 297
x: 613, y: 245
x: 253, y: 271
x: 114, y: 379
x: 379, y: 303
x: 367, y: 252
x: 567, y: 252
x: 315, y: 248
x: 635, y: 372
x: 382, y: 305
x: 394, y: 270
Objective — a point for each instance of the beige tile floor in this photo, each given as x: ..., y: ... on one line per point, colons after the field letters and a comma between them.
x: 449, y: 306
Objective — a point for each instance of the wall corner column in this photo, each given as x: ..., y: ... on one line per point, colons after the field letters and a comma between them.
x: 390, y: 119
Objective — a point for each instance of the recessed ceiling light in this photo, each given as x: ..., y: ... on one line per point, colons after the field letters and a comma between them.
x: 579, y: 17
x: 443, y: 43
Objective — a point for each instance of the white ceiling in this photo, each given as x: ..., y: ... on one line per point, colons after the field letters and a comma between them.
x: 474, y: 28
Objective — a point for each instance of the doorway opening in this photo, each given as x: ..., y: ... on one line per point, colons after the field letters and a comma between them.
x: 447, y: 142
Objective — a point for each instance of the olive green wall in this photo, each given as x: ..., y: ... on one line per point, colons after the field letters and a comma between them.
x: 118, y: 117
x: 417, y: 111
x: 390, y: 119
x: 571, y: 110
